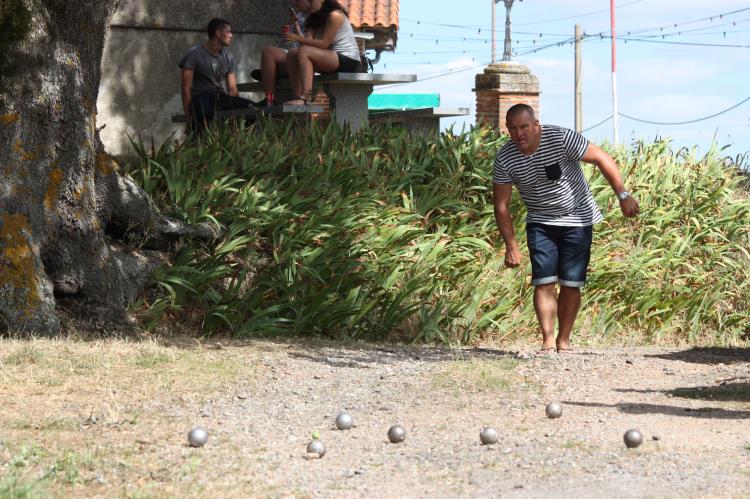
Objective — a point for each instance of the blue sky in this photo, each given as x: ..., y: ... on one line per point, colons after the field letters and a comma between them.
x: 689, y: 78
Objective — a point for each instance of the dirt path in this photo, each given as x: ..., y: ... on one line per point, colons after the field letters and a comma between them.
x: 110, y: 419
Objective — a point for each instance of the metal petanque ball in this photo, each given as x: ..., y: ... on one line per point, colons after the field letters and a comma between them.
x: 553, y: 410
x: 197, y: 437
x: 316, y: 447
x: 344, y: 421
x: 632, y: 438
x: 396, y: 434
x: 488, y: 436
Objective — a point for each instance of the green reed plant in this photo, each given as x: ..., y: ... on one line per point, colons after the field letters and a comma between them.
x: 381, y: 234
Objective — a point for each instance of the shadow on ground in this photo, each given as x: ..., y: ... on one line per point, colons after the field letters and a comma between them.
x: 339, y: 353
x: 725, y: 392
x: 707, y: 355
x: 669, y: 410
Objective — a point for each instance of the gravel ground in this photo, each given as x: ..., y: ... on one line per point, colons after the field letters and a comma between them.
x: 692, y: 407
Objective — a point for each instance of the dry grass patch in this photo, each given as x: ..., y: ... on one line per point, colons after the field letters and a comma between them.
x: 79, y: 416
x: 475, y: 375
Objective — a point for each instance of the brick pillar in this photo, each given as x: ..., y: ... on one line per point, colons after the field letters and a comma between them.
x: 321, y: 99
x: 501, y: 86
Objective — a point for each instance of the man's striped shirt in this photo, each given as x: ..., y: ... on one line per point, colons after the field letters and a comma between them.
x: 550, y: 180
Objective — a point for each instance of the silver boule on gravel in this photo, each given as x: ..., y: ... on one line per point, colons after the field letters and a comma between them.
x: 316, y: 448
x: 553, y: 410
x: 488, y: 435
x: 344, y: 421
x: 396, y: 434
x: 632, y: 438
x: 197, y: 437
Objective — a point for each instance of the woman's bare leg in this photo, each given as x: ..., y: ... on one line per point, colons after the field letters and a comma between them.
x: 292, y: 67
x: 272, y: 65
x: 312, y: 59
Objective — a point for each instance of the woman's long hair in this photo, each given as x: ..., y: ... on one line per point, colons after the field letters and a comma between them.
x: 318, y: 19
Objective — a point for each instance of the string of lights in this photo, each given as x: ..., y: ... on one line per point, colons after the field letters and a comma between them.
x: 670, y: 42
x: 693, y: 21
x: 476, y: 27
x: 671, y: 26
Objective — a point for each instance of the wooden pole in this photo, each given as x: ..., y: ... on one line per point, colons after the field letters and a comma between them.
x: 578, y: 82
x: 494, y: 25
x: 615, y: 111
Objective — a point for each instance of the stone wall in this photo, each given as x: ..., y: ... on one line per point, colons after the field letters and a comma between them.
x: 140, y: 86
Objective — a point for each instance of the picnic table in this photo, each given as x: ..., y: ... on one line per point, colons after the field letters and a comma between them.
x: 347, y: 92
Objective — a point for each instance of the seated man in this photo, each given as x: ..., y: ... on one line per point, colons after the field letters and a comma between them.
x: 209, y: 83
x: 273, y: 59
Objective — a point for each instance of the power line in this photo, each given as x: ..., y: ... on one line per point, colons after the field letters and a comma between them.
x: 430, y: 36
x: 598, y: 124
x: 475, y: 27
x: 551, y: 45
x: 692, y: 44
x: 674, y: 25
x: 577, y: 16
x: 689, y: 121
x: 439, y: 75
x: 692, y: 30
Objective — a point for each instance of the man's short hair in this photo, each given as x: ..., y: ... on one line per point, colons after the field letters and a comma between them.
x: 215, y: 25
x: 517, y: 109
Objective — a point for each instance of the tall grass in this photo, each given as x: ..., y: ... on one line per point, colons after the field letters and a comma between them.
x: 381, y: 234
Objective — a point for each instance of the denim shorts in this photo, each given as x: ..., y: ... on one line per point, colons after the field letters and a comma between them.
x: 559, y: 254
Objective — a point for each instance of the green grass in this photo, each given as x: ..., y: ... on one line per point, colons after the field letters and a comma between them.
x: 48, y: 424
x: 380, y: 235
x: 476, y: 375
x: 13, y: 486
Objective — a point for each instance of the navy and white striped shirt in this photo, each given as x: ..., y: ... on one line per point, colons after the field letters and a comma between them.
x: 550, y: 180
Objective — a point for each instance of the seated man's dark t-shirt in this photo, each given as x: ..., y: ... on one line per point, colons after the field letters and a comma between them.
x: 209, y: 70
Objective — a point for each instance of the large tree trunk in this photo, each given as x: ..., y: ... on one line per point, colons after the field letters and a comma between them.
x: 62, y: 200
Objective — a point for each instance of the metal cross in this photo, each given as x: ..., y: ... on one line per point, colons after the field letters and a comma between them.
x: 508, y: 50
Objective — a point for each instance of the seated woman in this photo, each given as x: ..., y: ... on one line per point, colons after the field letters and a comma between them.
x: 328, y: 46
x: 273, y: 59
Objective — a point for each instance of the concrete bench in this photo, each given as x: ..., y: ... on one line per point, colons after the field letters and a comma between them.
x: 347, y: 92
x: 423, y: 120
x: 281, y: 109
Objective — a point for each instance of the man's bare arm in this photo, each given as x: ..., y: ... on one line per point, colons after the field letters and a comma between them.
x: 606, y: 164
x: 232, y: 85
x: 501, y: 194
x: 187, y: 90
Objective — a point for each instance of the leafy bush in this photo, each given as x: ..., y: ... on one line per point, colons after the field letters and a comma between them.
x: 381, y: 235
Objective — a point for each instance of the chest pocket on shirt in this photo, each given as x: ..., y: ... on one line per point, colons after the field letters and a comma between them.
x: 553, y: 171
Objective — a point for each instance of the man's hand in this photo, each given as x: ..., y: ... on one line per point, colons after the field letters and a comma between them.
x: 629, y: 207
x: 512, y: 256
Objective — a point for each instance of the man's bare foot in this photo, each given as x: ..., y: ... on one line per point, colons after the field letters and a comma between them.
x: 563, y: 348
x: 545, y: 350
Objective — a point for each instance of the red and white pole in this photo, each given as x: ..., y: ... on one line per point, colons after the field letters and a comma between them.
x: 615, y: 111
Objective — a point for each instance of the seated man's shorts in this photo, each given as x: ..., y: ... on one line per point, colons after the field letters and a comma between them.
x: 559, y: 254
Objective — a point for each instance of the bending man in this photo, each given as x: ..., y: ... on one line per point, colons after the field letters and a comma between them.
x: 543, y: 162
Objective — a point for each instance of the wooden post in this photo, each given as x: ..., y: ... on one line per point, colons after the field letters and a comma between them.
x: 615, y: 111
x: 578, y: 82
x: 494, y: 26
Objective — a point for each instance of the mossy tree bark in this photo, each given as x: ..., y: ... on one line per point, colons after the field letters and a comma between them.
x: 63, y: 203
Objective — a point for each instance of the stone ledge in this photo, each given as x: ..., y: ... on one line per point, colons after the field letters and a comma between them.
x: 507, y: 82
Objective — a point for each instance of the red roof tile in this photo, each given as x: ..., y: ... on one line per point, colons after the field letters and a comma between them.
x: 372, y: 13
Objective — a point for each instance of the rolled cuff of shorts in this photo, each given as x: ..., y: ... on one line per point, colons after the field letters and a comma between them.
x: 572, y: 284
x: 543, y: 280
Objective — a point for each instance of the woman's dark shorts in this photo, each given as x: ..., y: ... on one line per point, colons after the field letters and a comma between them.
x: 559, y: 254
x: 347, y: 64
